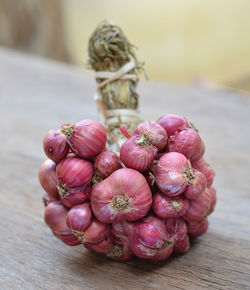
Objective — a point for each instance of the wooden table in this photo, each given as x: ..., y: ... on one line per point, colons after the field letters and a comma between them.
x: 36, y: 95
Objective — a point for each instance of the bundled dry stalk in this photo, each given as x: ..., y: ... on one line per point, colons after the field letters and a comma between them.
x: 113, y: 58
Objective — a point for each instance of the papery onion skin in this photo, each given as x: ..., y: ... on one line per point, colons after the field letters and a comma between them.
x: 151, y: 181
x: 106, y: 163
x: 124, y: 195
x: 177, y: 228
x: 74, y: 172
x: 173, y: 123
x: 55, y: 145
x: 188, y: 143
x: 47, y: 178
x: 167, y: 207
x: 79, y: 217
x: 205, y: 168
x: 199, y: 184
x: 86, y: 138
x: 182, y: 246
x: 173, y: 173
x: 76, y: 195
x: 149, y: 239
x: 199, y: 208
x: 150, y: 177
x: 197, y: 229
x: 156, y: 133
x: 137, y: 156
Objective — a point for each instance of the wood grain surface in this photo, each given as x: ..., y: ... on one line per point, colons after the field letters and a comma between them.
x: 37, y: 95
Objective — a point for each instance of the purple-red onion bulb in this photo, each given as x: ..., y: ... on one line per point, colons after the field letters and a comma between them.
x: 169, y: 207
x: 124, y: 195
x: 86, y: 138
x: 55, y: 145
x: 47, y: 178
x: 188, y: 143
x: 173, y: 173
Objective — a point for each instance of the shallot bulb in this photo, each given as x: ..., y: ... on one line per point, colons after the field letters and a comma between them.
x: 86, y: 138
x: 138, y: 152
x: 173, y: 123
x: 199, y: 184
x: 154, y: 132
x: 95, y: 233
x: 197, y: 228
x: 199, y: 208
x: 124, y: 195
x: 167, y: 207
x: 105, y: 164
x: 204, y: 167
x: 149, y: 239
x: 55, y: 145
x: 74, y: 196
x: 173, y: 173
x: 47, y: 178
x: 182, y: 246
x: 177, y: 228
x: 79, y: 218
x: 187, y: 142
x: 102, y: 247
x: 73, y: 172
x: 212, y: 192
x: 119, y: 230
x: 120, y: 250
x: 55, y: 218
x: 116, y: 246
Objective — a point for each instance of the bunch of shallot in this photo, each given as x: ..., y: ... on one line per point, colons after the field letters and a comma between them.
x: 149, y: 201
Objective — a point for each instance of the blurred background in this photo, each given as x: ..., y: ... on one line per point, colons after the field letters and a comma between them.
x: 197, y: 42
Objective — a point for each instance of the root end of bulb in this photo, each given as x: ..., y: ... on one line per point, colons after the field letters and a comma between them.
x: 96, y: 178
x: 144, y: 140
x: 63, y: 191
x: 168, y: 244
x: 189, y: 174
x: 176, y: 205
x: 68, y: 131
x: 120, y: 203
x: 115, y: 251
x: 79, y: 235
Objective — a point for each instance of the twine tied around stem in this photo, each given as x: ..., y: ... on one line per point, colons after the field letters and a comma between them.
x: 121, y: 74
